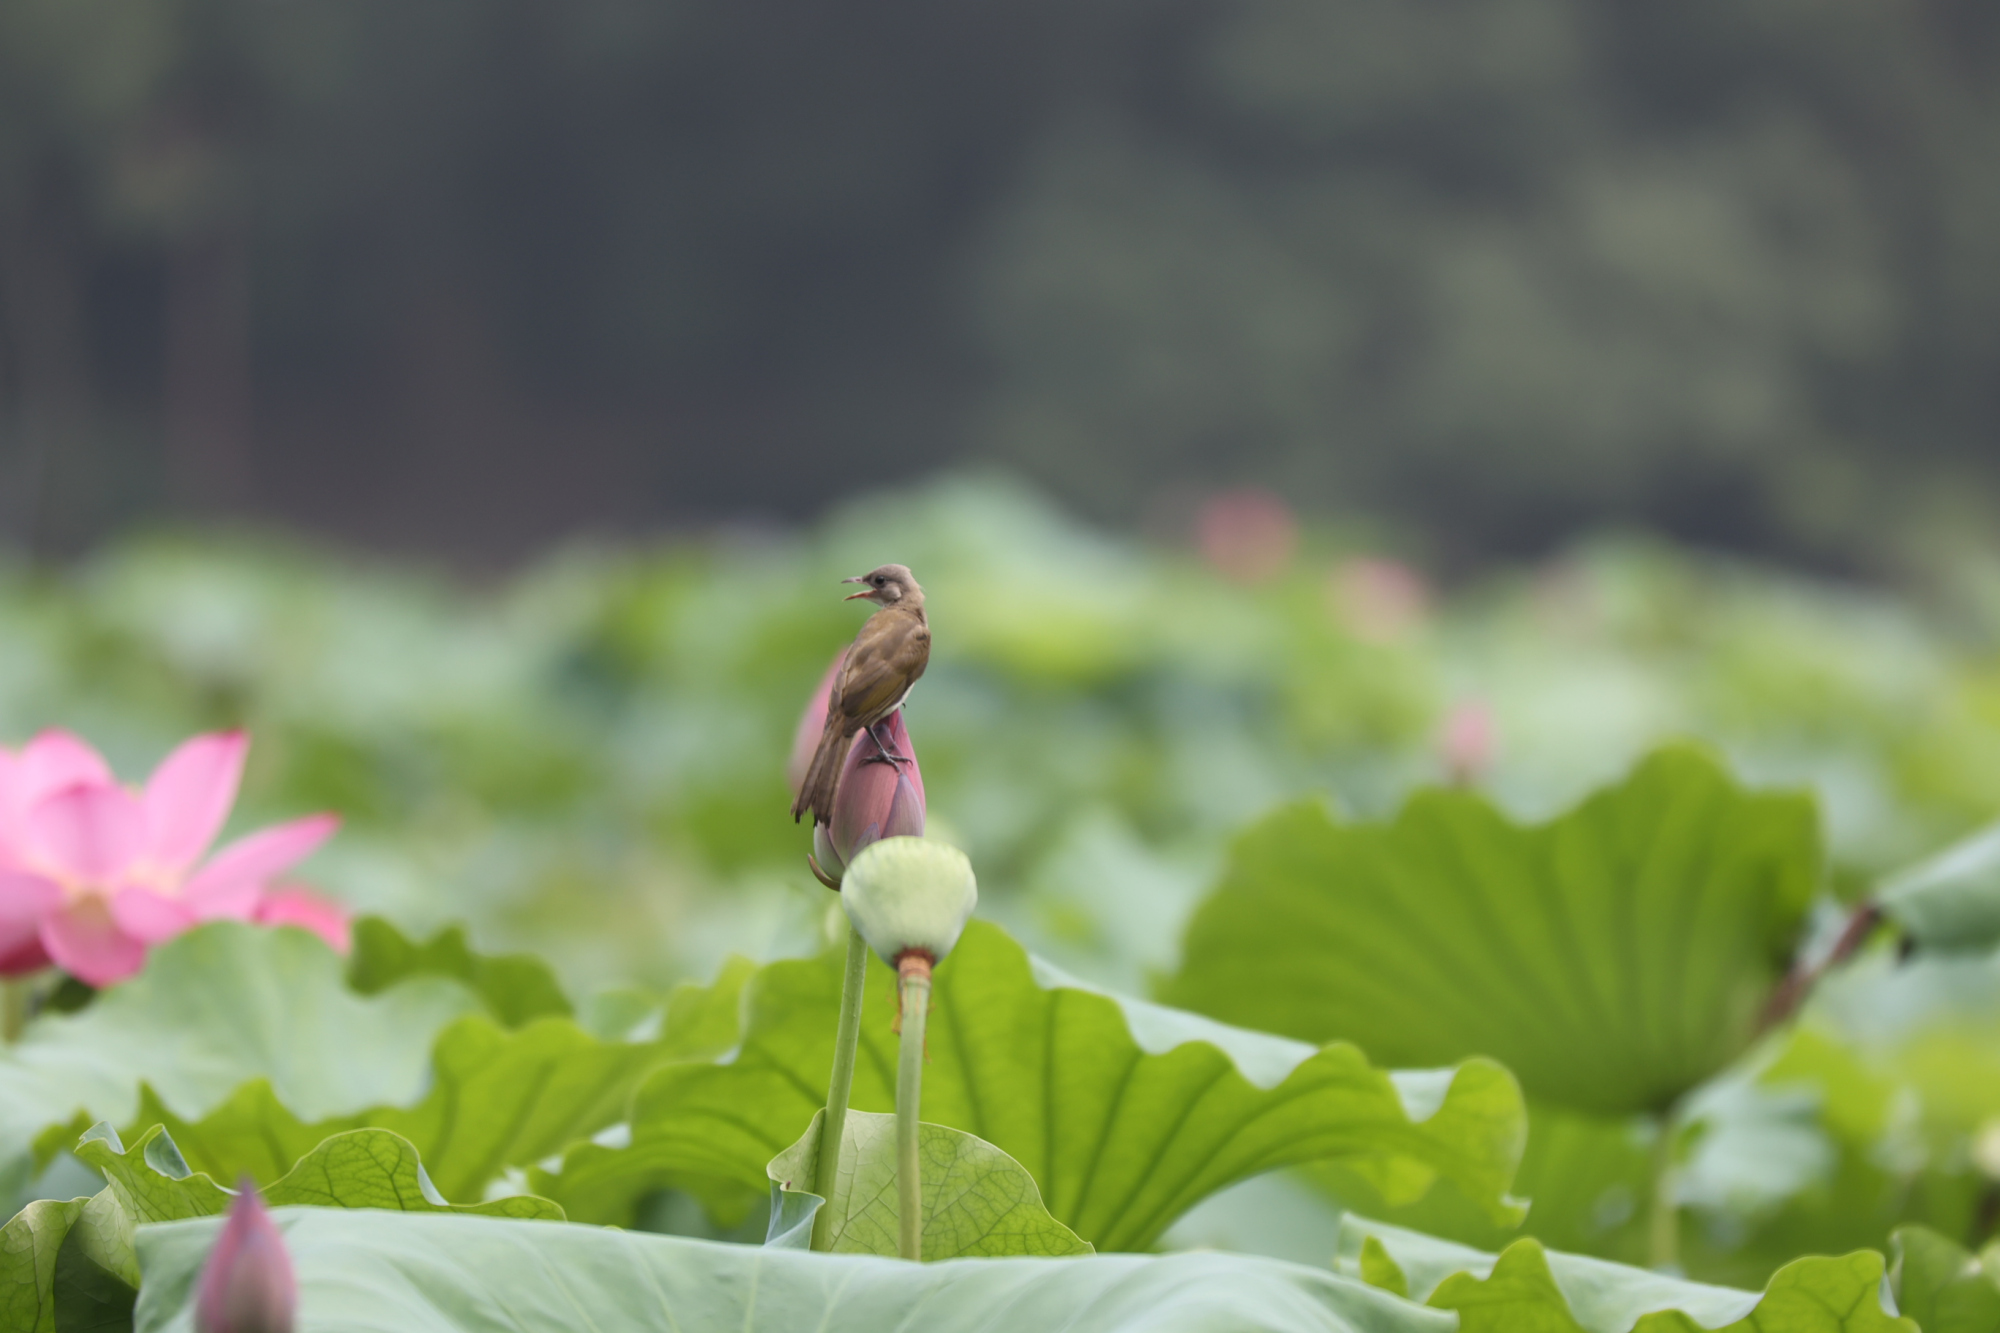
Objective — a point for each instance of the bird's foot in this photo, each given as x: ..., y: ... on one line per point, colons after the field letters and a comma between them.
x: 884, y: 754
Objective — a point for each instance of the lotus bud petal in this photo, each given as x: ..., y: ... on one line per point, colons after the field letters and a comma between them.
x: 829, y: 862
x: 247, y: 1284
x: 909, y: 895
x: 812, y: 722
x: 876, y: 798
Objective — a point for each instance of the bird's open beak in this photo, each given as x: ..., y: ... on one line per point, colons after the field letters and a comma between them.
x: 865, y: 592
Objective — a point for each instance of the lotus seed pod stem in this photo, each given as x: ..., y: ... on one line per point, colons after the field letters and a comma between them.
x: 913, y: 971
x: 906, y: 894
x: 833, y: 1128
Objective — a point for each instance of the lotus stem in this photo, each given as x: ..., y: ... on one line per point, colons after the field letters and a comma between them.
x: 1799, y: 983
x: 1663, y: 1240
x: 913, y: 971
x: 15, y: 1001
x: 833, y: 1128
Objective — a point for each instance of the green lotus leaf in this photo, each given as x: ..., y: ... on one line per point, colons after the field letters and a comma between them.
x: 1589, y: 1179
x: 1897, y: 1061
x: 486, y: 1275
x: 1613, y: 958
x: 1951, y: 900
x: 497, y: 1099
x: 29, y: 1244
x: 1528, y: 1287
x: 66, y: 1266
x: 1125, y: 1113
x: 216, y: 1007
x: 516, y: 988
x: 1942, y: 1285
x: 362, y: 1168
x: 97, y: 1270
x: 978, y: 1201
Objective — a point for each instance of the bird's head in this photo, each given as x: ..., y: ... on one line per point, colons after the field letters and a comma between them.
x: 891, y: 585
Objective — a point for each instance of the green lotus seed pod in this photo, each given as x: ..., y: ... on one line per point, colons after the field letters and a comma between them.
x: 907, y: 894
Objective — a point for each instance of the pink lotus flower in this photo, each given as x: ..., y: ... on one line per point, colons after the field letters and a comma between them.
x: 247, y: 1284
x: 92, y: 873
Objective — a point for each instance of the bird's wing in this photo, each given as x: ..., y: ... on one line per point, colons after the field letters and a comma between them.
x: 888, y: 655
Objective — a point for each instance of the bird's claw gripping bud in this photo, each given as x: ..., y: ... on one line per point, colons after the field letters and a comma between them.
x: 909, y: 895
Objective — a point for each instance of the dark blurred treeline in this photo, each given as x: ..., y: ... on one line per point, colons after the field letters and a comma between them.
x: 466, y: 274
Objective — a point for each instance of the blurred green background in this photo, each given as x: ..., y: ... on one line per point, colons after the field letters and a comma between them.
x: 465, y: 277
x: 585, y: 758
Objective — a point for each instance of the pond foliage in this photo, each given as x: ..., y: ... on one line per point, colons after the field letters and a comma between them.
x: 1680, y: 1012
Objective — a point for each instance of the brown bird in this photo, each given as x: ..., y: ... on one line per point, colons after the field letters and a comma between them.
x: 887, y: 656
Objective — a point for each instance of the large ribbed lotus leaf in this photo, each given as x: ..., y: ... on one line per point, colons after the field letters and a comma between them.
x: 214, y: 1008
x: 441, y: 1274
x: 1126, y: 1114
x: 497, y: 1099
x: 1612, y: 959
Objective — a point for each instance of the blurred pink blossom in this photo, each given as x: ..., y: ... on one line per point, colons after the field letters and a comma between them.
x: 1378, y: 600
x: 1249, y: 535
x: 247, y: 1285
x: 93, y: 873
x: 1468, y: 741
x: 294, y: 906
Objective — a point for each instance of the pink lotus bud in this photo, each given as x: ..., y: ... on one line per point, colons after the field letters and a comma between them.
x: 1468, y: 742
x: 805, y: 739
x: 1250, y: 536
x: 247, y: 1284
x: 877, y: 799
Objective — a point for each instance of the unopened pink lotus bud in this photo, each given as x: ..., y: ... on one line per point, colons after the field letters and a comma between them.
x: 877, y: 798
x: 247, y: 1284
x: 1468, y: 742
x: 805, y: 738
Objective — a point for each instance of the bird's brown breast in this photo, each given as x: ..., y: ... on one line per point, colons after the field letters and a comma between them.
x: 888, y: 655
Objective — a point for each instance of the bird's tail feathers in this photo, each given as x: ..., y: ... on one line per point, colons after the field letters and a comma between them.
x: 823, y: 776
